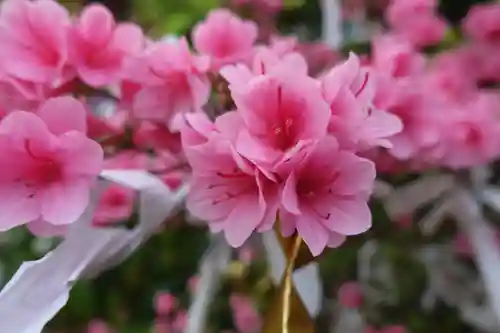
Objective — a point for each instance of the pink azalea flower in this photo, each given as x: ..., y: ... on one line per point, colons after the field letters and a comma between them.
x: 350, y: 295
x: 245, y: 316
x: 425, y: 30
x: 418, y: 110
x: 33, y: 35
x: 470, y: 135
x: 399, y: 10
x: 355, y: 122
x: 48, y: 164
x: 395, y: 56
x: 115, y: 205
x: 165, y: 303
x: 225, y: 38
x: 325, y: 196
x: 229, y: 193
x: 197, y: 130
x: 482, y: 23
x: 169, y: 80
x: 17, y: 94
x: 156, y: 136
x: 453, y: 74
x: 98, y: 45
x: 417, y: 21
x: 485, y: 61
x: 265, y: 62
x: 318, y: 56
x: 278, y: 115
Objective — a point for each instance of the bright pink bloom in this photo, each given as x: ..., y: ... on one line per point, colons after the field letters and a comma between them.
x: 98, y: 45
x: 48, y: 165
x: 482, y: 23
x: 417, y: 21
x: 33, y: 35
x: 470, y: 134
x: 453, y: 74
x: 420, y: 114
x: 165, y: 303
x: 318, y: 56
x: 350, y: 295
x: 115, y: 205
x: 245, y: 316
x: 229, y: 193
x: 169, y: 80
x: 225, y: 38
x: 485, y: 61
x: 277, y: 115
x: 265, y: 62
x: 396, y: 57
x: 399, y: 10
x: 325, y: 196
x: 424, y: 31
x: 17, y: 94
x: 355, y: 122
x: 196, y: 130
x: 156, y: 136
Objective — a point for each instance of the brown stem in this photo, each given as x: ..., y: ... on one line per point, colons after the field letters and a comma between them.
x: 288, y: 282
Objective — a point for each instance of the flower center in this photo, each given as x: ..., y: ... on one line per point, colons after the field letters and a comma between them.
x: 42, y: 171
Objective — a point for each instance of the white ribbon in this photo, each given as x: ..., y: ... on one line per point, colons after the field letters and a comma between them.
x: 482, y: 237
x: 306, y: 279
x: 406, y: 199
x: 39, y: 289
x: 212, y: 267
x: 332, y: 22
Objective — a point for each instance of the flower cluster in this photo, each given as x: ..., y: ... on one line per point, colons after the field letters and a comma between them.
x: 266, y: 137
x: 288, y: 151
x: 450, y: 118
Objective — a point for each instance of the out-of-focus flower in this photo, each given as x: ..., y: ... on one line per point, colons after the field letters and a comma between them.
x: 225, y: 38
x: 98, y: 46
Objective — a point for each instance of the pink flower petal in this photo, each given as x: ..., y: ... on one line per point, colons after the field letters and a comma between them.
x: 63, y: 114
x: 64, y: 203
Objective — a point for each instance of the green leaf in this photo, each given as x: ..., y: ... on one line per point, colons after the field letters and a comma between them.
x: 292, y: 4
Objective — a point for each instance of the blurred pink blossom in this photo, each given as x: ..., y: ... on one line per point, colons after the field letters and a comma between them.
x: 98, y: 45
x: 225, y: 38
x: 350, y: 295
x: 33, y: 35
x: 482, y: 23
